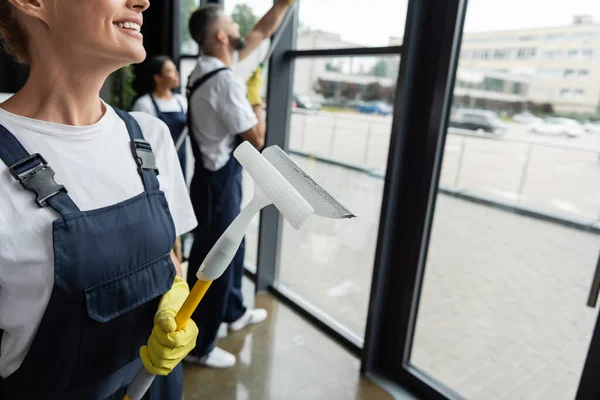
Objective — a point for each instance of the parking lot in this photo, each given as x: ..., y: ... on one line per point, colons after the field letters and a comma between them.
x: 552, y: 174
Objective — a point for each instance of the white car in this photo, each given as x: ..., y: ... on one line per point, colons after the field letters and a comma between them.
x: 557, y: 127
x: 525, y: 118
x: 592, y: 127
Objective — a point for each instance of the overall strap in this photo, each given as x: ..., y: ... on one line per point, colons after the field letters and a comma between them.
x: 180, y: 104
x: 158, y: 112
x: 190, y: 90
x: 35, y: 175
x: 193, y: 86
x: 141, y: 151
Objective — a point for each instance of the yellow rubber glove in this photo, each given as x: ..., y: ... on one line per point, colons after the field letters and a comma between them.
x: 167, y: 346
x: 254, y: 84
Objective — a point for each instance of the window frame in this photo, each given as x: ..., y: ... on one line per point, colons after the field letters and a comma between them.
x: 429, y: 60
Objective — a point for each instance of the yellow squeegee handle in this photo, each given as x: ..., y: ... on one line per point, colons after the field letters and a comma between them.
x: 142, y: 381
x: 190, y: 304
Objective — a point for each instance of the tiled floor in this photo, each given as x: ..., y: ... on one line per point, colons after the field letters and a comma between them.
x: 285, y: 358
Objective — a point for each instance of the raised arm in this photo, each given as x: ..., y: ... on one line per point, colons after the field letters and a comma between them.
x: 266, y: 27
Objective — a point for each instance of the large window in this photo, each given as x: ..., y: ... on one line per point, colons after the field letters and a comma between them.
x: 339, y: 107
x: 482, y: 234
x: 340, y: 132
x: 502, y: 308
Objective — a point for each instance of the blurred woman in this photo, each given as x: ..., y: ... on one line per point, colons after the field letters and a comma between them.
x: 170, y: 107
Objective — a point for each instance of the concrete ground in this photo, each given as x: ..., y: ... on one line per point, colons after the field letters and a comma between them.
x: 503, y: 310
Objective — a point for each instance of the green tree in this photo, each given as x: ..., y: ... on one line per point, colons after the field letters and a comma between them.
x: 372, y: 91
x: 324, y: 88
x: 377, y: 92
x: 244, y: 16
x: 122, y: 92
x: 350, y: 90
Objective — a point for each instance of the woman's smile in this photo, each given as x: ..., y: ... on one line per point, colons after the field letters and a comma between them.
x: 131, y: 26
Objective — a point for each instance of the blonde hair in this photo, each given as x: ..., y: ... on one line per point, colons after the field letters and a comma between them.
x: 11, y: 33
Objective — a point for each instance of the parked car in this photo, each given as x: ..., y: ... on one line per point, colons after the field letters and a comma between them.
x: 592, y: 127
x: 306, y: 102
x: 477, y: 120
x: 525, y: 118
x: 557, y: 127
x: 375, y: 107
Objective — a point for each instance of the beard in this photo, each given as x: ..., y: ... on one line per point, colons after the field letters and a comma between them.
x: 238, y: 43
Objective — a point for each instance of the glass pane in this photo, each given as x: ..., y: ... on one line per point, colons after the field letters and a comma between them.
x: 327, y: 24
x: 340, y: 132
x: 503, y: 312
x: 188, y: 45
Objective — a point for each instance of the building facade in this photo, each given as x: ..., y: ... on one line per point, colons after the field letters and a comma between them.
x: 498, y: 91
x: 562, y: 64
x: 341, y: 78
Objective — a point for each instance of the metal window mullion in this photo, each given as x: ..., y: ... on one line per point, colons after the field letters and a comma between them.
x: 279, y: 93
x: 346, y: 52
x: 423, y: 96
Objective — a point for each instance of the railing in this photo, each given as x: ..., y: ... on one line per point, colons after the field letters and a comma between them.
x: 335, y: 130
x: 331, y: 127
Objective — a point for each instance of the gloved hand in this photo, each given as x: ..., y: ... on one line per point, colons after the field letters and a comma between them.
x: 167, y: 346
x: 254, y: 84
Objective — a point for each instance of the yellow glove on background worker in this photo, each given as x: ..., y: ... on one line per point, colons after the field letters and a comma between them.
x: 254, y: 85
x: 167, y: 346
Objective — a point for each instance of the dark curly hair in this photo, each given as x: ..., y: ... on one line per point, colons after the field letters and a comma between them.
x: 13, y: 37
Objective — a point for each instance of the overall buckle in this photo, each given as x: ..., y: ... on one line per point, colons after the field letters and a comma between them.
x: 143, y: 155
x: 38, y: 179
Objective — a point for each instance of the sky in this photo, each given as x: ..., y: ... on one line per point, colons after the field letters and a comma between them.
x: 373, y: 22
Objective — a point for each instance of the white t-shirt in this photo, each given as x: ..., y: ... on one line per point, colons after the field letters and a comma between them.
x: 96, y: 166
x: 220, y: 110
x: 174, y: 104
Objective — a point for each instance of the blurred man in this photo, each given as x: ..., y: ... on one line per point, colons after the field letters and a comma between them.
x: 222, y: 114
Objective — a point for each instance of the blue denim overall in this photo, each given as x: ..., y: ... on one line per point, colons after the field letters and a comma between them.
x: 176, y: 121
x: 111, y: 265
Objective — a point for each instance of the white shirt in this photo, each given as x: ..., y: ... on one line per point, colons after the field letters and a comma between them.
x: 96, y: 166
x: 174, y: 104
x: 220, y: 111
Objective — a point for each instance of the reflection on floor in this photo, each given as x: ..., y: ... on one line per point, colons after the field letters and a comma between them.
x: 284, y: 358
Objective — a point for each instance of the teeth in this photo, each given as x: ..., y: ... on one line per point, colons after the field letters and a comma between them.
x: 129, y: 25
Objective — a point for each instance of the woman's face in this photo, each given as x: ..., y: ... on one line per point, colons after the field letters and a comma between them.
x: 169, y: 76
x: 96, y: 30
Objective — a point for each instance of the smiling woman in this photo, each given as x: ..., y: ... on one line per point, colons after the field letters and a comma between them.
x: 88, y: 277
